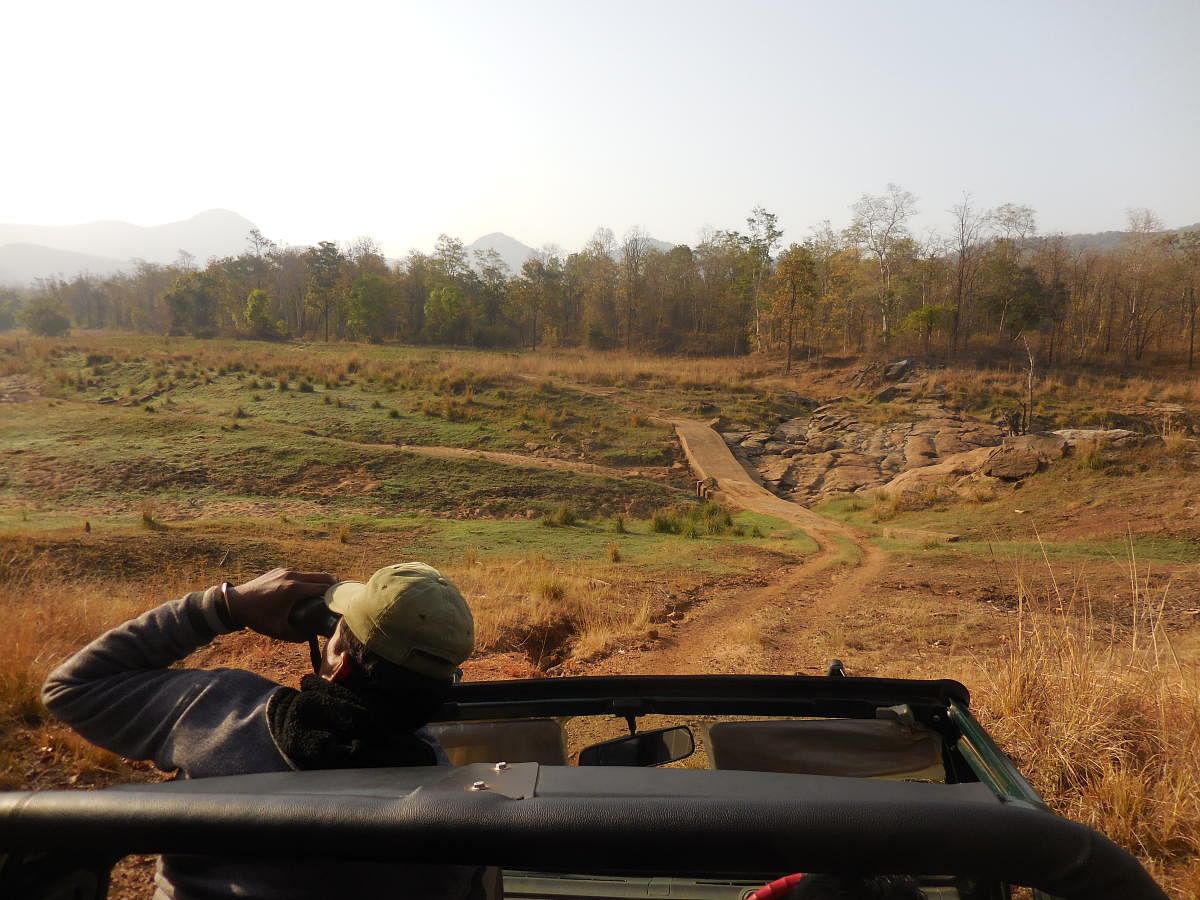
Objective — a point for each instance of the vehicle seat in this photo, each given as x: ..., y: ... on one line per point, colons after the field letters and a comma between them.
x: 517, y: 740
x: 858, y: 748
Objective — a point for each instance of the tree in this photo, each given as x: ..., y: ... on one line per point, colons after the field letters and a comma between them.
x: 44, y: 316
x: 10, y: 305
x: 256, y: 317
x: 879, y: 223
x: 966, y: 249
x: 1186, y: 246
x: 370, y: 308
x: 324, y: 272
x: 764, y: 238
x: 633, y: 260
x: 1140, y: 281
x: 446, y: 315
x: 537, y: 295
x: 795, y: 281
x: 596, y: 271
x: 191, y: 305
x: 925, y: 320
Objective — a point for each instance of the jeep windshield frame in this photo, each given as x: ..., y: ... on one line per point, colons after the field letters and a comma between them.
x: 985, y: 823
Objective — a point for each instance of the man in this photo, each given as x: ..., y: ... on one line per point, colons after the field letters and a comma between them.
x: 382, y: 674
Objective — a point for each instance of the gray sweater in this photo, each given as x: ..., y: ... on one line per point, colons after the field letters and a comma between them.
x: 120, y: 694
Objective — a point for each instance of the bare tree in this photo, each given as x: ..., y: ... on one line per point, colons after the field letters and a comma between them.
x: 633, y: 259
x: 966, y: 248
x: 879, y: 224
x: 764, y: 238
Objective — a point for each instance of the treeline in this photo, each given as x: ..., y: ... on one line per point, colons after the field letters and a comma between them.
x: 992, y: 281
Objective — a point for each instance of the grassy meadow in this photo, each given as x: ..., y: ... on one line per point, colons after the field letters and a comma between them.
x: 134, y: 468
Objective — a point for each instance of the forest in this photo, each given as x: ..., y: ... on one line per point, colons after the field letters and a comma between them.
x: 990, y: 280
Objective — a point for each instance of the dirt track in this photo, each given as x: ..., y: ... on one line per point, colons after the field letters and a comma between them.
x: 766, y: 629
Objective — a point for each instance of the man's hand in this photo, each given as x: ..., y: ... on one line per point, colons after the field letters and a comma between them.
x: 263, y: 603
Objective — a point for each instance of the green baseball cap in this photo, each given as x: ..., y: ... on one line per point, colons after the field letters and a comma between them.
x: 409, y: 614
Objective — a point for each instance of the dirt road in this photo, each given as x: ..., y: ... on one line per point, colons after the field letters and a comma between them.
x: 769, y: 628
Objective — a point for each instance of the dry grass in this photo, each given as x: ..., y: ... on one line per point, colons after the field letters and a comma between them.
x: 1105, y: 722
x: 550, y: 612
x: 48, y: 617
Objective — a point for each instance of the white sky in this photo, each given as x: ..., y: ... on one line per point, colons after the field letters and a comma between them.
x: 547, y: 119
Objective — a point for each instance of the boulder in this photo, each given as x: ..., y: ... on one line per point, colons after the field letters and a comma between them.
x: 945, y: 472
x: 774, y: 468
x: 776, y: 447
x: 850, y: 478
x: 823, y: 444
x: 899, y: 369
x: 1106, y: 438
x: 793, y: 432
x: 949, y: 442
x: 918, y: 450
x: 1046, y: 445
x: 1012, y: 463
x: 735, y: 437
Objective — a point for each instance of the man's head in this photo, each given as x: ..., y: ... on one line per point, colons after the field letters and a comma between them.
x: 407, y: 624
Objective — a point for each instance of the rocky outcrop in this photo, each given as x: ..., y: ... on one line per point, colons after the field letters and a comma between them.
x: 1106, y: 438
x: 831, y: 451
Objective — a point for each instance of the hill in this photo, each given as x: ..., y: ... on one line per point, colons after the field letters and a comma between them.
x: 38, y: 251
x: 512, y: 251
x: 25, y: 263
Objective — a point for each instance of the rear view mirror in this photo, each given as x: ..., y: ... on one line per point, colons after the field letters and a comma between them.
x: 648, y: 748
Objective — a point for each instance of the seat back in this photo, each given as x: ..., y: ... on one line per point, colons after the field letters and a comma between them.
x: 860, y: 748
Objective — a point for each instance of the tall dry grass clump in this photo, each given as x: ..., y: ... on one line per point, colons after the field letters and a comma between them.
x: 50, y: 614
x: 1105, y: 722
x: 549, y: 612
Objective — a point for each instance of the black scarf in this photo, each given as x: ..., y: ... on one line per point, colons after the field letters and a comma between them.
x: 329, y: 726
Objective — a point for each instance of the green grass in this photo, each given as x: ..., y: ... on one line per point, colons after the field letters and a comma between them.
x: 640, y: 545
x: 84, y: 458
x: 395, y: 395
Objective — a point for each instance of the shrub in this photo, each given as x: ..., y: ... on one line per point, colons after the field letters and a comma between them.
x: 282, y: 381
x: 614, y: 552
x: 1090, y: 456
x: 306, y: 387
x: 617, y: 525
x: 562, y: 516
x: 1176, y: 444
x: 46, y: 317
x: 884, y: 506
x: 693, y: 520
x: 664, y: 522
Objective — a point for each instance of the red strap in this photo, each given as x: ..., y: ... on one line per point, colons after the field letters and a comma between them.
x: 777, y: 888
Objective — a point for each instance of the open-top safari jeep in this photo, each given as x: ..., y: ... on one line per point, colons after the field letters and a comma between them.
x: 803, y: 774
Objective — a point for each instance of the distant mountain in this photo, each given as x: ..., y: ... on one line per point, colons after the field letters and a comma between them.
x: 661, y: 246
x: 1110, y: 240
x: 24, y: 263
x: 512, y: 251
x: 39, y: 251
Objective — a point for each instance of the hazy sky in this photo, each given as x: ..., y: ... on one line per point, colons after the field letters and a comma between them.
x: 548, y: 119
